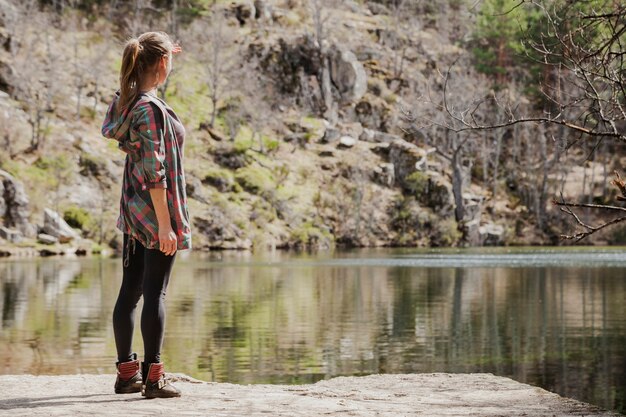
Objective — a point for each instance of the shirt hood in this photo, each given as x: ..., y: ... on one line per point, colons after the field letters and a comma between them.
x: 117, y: 125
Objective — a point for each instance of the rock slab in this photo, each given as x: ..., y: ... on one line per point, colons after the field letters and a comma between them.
x: 374, y: 395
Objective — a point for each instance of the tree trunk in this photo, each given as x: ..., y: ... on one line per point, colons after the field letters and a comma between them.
x: 327, y: 93
x: 457, y: 185
x: 496, y: 165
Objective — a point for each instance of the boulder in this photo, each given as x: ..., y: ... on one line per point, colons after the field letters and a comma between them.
x: 384, y: 174
x: 10, y: 235
x: 347, y: 74
x: 346, y: 142
x: 375, y: 136
x: 47, y: 239
x: 331, y: 135
x: 194, y: 188
x: 219, y: 232
x: 473, y: 206
x: 405, y: 157
x: 438, y: 194
x: 54, y: 225
x: 491, y: 234
x: 374, y: 113
x: 14, y: 205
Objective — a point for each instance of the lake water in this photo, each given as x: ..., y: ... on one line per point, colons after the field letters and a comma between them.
x: 555, y: 318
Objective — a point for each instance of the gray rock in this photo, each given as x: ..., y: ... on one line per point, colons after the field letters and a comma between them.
x: 348, y: 74
x: 473, y: 206
x: 385, y: 174
x: 491, y: 234
x: 377, y: 8
x: 262, y: 10
x: 374, y: 113
x: 242, y: 11
x: 331, y: 135
x: 219, y: 232
x: 346, y: 142
x: 54, y: 225
x: 47, y: 239
x: 196, y: 190
x: 375, y: 136
x: 14, y: 205
x: 10, y: 235
x: 404, y: 156
x: 438, y: 194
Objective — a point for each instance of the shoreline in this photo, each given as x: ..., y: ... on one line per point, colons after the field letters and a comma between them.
x: 374, y: 395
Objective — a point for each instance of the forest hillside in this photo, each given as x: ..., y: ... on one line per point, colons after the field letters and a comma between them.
x: 310, y: 124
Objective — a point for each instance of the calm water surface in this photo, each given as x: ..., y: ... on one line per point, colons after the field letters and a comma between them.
x: 555, y: 318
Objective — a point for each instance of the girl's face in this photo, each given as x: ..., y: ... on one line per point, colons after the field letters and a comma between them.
x: 169, y: 65
x: 165, y: 67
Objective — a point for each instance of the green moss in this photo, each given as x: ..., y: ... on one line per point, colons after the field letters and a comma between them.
x: 243, y: 140
x: 29, y: 173
x: 445, y: 233
x: 416, y: 183
x: 255, y: 179
x: 77, y: 217
x: 269, y: 143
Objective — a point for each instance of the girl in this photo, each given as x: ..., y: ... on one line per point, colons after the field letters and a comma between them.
x: 153, y: 208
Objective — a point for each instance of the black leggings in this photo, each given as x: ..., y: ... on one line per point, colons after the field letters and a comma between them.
x: 147, y: 273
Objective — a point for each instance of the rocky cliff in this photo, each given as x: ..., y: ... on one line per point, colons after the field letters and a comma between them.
x: 298, y: 119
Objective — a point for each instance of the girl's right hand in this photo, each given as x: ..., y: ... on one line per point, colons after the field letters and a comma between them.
x: 167, y: 240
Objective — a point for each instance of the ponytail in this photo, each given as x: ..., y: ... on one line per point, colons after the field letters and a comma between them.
x: 129, y: 74
x: 140, y: 54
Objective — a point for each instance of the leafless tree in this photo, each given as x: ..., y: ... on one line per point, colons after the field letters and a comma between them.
x: 321, y: 15
x: 35, y: 66
x: 216, y: 50
x: 585, y: 97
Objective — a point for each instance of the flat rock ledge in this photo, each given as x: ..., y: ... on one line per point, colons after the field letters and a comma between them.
x: 374, y: 395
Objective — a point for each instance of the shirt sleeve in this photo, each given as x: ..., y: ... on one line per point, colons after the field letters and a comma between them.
x: 152, y: 148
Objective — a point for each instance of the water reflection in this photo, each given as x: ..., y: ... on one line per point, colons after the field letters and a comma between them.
x: 282, y: 318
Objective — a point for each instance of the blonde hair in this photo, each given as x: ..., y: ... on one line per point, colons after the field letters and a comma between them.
x: 140, y: 54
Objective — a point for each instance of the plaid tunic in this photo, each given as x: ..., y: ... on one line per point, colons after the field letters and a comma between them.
x: 153, y: 138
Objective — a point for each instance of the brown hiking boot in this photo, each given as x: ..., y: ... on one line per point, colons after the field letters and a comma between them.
x: 128, y: 376
x: 155, y: 384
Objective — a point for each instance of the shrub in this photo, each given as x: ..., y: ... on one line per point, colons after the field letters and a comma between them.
x: 445, y: 233
x: 77, y: 217
x: 416, y: 183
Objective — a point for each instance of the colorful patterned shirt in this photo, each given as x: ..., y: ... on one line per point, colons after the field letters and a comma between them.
x: 153, y: 138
